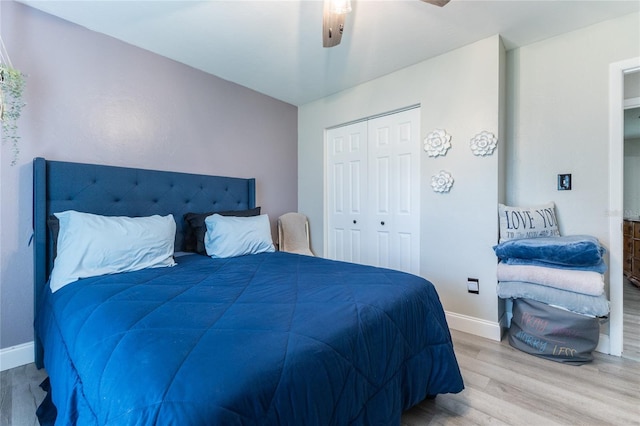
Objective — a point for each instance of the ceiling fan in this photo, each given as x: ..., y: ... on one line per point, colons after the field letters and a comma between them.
x: 333, y: 19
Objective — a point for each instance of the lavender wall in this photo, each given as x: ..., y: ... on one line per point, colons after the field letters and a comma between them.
x: 92, y: 98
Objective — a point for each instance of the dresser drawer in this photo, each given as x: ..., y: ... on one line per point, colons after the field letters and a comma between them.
x: 631, y: 247
x: 635, y: 268
x: 627, y: 247
x: 627, y: 228
x: 636, y: 249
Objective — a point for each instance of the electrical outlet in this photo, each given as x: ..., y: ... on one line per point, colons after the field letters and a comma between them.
x: 473, y: 285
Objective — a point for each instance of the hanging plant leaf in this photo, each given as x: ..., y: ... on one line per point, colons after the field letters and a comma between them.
x: 12, y: 83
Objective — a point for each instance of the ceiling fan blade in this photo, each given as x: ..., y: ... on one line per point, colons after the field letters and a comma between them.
x: 332, y: 27
x: 437, y: 2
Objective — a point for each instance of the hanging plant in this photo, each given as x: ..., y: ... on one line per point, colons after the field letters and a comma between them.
x: 11, y: 90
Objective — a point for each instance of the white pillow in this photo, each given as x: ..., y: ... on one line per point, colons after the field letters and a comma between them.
x: 229, y: 236
x: 527, y: 222
x: 90, y: 245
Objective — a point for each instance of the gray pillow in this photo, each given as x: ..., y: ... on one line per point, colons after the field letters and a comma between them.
x: 54, y: 229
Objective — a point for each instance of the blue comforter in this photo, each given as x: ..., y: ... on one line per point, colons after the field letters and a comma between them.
x: 273, y: 338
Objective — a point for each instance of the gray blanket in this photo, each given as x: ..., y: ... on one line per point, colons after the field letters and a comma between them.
x: 597, y: 306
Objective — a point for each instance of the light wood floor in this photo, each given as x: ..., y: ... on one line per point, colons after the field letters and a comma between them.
x: 503, y: 387
x: 20, y: 395
x: 631, y: 328
x: 507, y: 387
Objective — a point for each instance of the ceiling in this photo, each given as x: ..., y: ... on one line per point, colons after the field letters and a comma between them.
x: 275, y: 47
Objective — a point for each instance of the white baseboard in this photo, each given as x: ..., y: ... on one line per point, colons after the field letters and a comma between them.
x: 603, y: 344
x: 15, y: 356
x: 476, y: 326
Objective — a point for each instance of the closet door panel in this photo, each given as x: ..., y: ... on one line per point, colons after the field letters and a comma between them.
x: 382, y: 249
x: 394, y: 185
x: 338, y: 190
x: 405, y: 252
x: 405, y: 184
x: 380, y: 191
x: 346, y: 197
x: 355, y: 187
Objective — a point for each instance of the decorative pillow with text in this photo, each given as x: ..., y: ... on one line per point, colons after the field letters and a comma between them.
x: 527, y: 222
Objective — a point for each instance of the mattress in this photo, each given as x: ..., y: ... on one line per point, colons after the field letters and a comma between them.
x: 273, y: 338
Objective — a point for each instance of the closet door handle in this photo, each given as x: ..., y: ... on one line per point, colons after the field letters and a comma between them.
x: 355, y: 221
x: 382, y: 223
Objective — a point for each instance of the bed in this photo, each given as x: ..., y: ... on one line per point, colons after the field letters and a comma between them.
x: 266, y: 338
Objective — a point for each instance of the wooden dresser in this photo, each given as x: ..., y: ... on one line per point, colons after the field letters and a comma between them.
x: 631, y: 258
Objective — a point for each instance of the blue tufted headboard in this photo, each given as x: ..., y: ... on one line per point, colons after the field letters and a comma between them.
x: 120, y: 191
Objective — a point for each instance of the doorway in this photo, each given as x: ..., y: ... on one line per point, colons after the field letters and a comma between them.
x: 617, y: 73
x: 631, y: 202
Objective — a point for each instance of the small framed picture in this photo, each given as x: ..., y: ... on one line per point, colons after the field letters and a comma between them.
x: 564, y: 182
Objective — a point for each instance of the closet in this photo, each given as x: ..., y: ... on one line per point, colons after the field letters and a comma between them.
x: 373, y: 191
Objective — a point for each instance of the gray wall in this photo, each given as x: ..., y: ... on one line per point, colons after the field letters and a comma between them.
x: 459, y: 228
x: 94, y: 99
x: 558, y: 121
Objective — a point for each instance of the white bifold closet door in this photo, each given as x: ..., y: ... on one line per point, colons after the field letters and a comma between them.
x: 373, y: 191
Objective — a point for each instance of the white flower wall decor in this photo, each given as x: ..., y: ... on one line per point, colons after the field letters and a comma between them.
x: 442, y: 182
x: 484, y: 143
x: 437, y: 143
